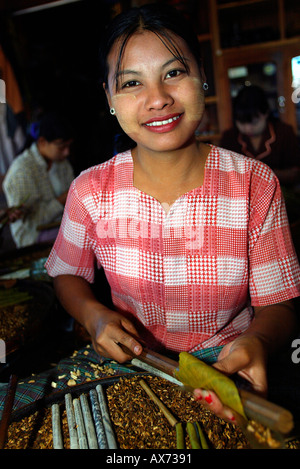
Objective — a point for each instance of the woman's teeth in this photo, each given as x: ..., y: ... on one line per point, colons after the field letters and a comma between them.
x: 165, y: 122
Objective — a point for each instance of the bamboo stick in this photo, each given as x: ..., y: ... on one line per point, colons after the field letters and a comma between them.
x: 171, y: 419
x: 74, y: 444
x: 56, y: 427
x: 271, y: 415
x: 82, y: 439
x: 203, y: 442
x: 180, y: 443
x: 194, y: 439
x: 100, y: 431
x: 88, y: 421
x: 111, y: 441
x: 155, y: 371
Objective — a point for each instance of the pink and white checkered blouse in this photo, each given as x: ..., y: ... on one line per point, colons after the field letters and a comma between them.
x: 190, y: 275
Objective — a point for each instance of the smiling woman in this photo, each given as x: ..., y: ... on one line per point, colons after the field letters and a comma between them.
x: 154, y: 92
x: 172, y: 291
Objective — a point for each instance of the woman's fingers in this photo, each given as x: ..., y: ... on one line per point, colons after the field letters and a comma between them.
x: 246, y: 357
x: 210, y: 400
x: 118, y: 334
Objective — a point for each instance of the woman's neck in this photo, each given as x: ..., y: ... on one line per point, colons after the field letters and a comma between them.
x: 178, y: 165
x: 167, y: 176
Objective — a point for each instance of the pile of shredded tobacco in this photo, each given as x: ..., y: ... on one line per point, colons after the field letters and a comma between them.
x: 18, y: 310
x: 140, y: 424
x: 137, y: 421
x: 35, y: 431
x: 14, y: 321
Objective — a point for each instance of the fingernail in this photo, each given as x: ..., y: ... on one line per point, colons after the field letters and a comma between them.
x: 229, y: 415
x: 198, y: 395
x: 137, y: 349
x: 208, y: 399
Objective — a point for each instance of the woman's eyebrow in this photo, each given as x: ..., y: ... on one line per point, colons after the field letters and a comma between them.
x: 165, y: 65
x: 126, y: 72
x: 176, y: 59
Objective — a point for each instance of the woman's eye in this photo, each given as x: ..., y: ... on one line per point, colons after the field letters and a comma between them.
x: 174, y: 73
x: 130, y: 84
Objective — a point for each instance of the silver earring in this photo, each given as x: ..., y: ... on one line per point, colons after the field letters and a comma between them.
x: 112, y: 111
x: 205, y: 86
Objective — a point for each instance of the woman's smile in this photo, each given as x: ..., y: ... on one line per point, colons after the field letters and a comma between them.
x: 163, y: 124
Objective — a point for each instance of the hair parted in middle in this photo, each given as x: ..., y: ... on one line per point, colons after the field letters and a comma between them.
x: 161, y: 20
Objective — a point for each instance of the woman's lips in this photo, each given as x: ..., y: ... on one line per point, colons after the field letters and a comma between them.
x: 164, y: 124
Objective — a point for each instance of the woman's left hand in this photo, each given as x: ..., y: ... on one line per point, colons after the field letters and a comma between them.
x: 246, y: 356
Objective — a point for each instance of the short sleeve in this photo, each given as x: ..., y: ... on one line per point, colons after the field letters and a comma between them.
x: 72, y: 253
x: 274, y: 271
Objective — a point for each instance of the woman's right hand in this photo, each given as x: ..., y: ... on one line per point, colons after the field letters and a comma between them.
x: 107, y: 328
x: 110, y: 331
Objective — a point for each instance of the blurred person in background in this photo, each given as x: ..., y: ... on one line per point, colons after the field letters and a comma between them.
x: 39, y: 179
x: 257, y: 134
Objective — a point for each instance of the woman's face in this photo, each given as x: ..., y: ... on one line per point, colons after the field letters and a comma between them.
x: 158, y: 103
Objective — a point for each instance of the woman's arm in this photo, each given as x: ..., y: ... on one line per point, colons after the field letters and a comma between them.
x: 107, y: 328
x: 270, y: 331
x: 275, y: 325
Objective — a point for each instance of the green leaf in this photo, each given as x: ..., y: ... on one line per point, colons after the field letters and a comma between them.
x: 197, y: 374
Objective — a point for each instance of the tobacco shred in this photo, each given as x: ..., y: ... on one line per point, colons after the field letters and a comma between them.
x: 14, y: 321
x: 137, y: 421
x: 139, y: 424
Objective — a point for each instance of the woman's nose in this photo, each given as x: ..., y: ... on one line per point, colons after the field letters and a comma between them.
x: 158, y: 96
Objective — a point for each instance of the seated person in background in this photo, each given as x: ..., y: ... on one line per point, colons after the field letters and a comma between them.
x: 258, y: 135
x: 39, y: 179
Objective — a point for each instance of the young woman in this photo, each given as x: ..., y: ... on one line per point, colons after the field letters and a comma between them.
x: 194, y: 240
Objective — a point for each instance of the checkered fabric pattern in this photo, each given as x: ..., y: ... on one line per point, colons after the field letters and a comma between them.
x: 190, y: 275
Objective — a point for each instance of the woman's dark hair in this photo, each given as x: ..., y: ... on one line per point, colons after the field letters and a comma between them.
x: 250, y: 102
x: 159, y: 19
